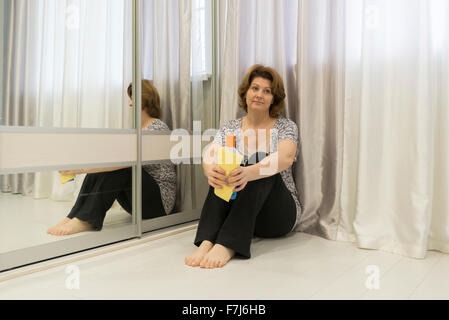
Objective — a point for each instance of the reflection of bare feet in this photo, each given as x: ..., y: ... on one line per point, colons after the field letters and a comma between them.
x: 217, y: 257
x: 52, y: 230
x: 71, y: 227
x: 195, y: 257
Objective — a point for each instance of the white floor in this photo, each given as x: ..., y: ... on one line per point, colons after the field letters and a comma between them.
x: 25, y: 221
x: 296, y: 267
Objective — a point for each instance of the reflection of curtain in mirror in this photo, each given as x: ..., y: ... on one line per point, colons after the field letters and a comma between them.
x: 68, y: 64
x: 201, y: 68
x: 201, y: 80
x: 166, y: 61
x: 372, y: 112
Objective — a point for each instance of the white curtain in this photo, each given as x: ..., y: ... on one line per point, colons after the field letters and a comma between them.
x: 201, y: 62
x: 68, y: 64
x: 320, y: 90
x: 171, y: 58
x: 396, y: 168
x: 370, y: 80
x: 166, y: 60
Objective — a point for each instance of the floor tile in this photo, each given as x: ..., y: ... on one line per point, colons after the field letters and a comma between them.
x: 403, y: 278
x: 435, y: 286
x: 352, y: 284
x: 46, y: 285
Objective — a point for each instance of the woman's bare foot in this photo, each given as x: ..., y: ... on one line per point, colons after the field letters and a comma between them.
x: 71, y: 227
x: 196, y: 256
x: 53, y: 229
x: 217, y: 257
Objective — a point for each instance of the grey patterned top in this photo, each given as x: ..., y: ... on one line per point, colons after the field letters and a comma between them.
x: 284, y: 129
x: 164, y: 173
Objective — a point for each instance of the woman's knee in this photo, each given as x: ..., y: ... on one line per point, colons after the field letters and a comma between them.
x: 275, y: 226
x: 273, y: 231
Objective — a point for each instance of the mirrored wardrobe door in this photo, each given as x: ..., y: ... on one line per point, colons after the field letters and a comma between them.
x: 68, y: 140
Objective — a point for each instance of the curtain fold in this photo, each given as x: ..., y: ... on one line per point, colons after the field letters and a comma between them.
x: 171, y: 64
x: 321, y: 94
x: 171, y: 25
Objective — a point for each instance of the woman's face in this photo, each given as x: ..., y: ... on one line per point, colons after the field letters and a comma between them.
x: 130, y: 103
x: 259, y: 96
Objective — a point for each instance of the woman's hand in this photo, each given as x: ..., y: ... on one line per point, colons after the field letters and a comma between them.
x: 216, y: 176
x: 239, y: 177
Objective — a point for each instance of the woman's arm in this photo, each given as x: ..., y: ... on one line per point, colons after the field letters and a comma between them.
x: 87, y: 171
x: 275, y: 162
x: 269, y: 166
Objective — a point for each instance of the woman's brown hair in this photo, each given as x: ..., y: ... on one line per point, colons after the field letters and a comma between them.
x: 277, y: 88
x: 151, y: 101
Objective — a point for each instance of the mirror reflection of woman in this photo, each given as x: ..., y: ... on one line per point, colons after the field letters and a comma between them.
x: 101, y: 187
x: 267, y: 204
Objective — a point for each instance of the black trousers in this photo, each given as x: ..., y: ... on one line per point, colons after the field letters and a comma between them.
x: 264, y: 208
x: 100, y: 190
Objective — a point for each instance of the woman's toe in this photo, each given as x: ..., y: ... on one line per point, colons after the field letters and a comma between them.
x: 204, y: 263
